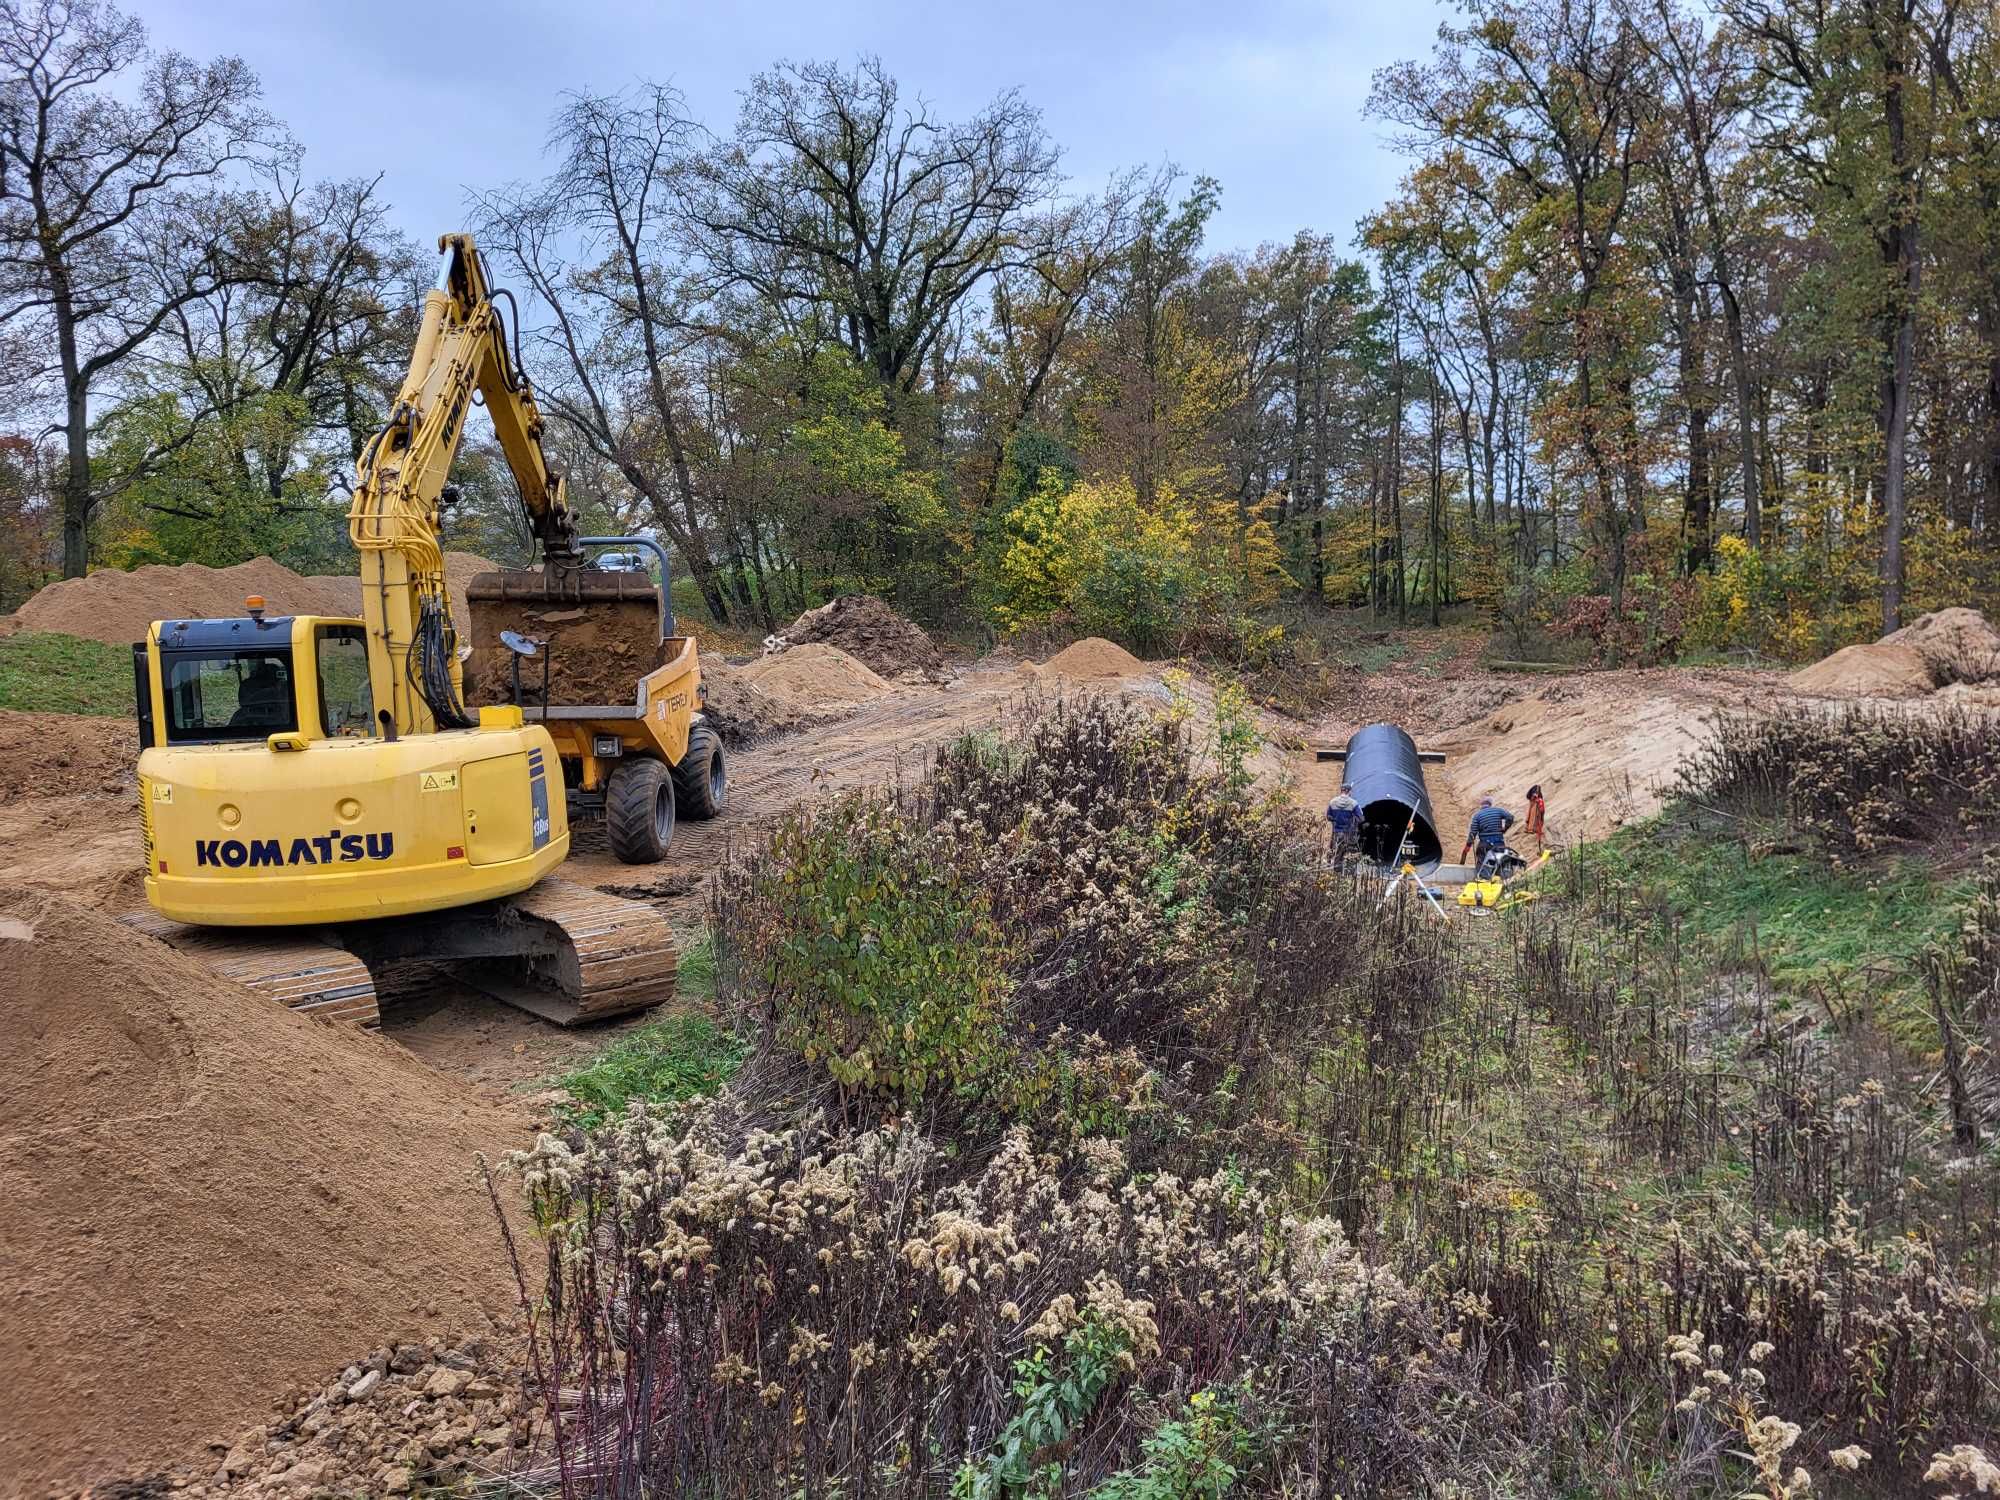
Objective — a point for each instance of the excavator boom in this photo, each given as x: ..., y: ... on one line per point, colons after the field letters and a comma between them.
x: 395, y: 519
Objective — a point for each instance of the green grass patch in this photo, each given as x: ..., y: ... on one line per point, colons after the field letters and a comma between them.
x: 1808, y: 924
x: 42, y: 672
x: 668, y: 1062
x: 694, y: 975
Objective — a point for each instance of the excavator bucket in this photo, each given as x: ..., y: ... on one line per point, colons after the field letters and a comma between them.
x: 596, y: 633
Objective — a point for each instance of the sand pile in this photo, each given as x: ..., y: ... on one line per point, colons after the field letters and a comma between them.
x: 209, y: 1199
x: 866, y: 628
x: 1950, y: 645
x: 796, y: 689
x: 1093, y: 659
x: 116, y: 607
x: 744, y: 712
x: 815, y: 677
x: 1880, y: 669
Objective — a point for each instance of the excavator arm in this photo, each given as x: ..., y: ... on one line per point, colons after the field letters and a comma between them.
x: 461, y: 355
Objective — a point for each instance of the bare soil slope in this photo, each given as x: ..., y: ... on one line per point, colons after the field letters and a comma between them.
x: 209, y: 1199
x: 45, y: 754
x: 116, y: 607
x: 69, y: 812
x: 1602, y: 748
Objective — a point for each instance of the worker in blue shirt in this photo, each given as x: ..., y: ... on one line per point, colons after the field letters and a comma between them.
x: 1488, y: 830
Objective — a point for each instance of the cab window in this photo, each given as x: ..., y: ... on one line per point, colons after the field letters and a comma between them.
x: 346, y: 707
x: 229, y: 695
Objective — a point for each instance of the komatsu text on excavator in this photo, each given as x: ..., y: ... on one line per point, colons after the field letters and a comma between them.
x: 317, y: 797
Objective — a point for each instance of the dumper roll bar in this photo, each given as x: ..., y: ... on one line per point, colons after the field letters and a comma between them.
x: 666, y: 595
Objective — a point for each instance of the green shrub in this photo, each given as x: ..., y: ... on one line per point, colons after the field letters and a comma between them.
x: 1201, y: 1454
x: 872, y: 956
x: 1056, y: 1397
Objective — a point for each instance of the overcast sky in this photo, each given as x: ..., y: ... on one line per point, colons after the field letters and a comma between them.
x: 1264, y: 95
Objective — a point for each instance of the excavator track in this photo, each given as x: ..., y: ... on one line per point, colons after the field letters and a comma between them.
x: 564, y: 952
x: 611, y: 955
x: 300, y: 970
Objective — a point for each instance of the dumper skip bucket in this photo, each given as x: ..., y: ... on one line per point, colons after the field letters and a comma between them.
x: 597, y: 632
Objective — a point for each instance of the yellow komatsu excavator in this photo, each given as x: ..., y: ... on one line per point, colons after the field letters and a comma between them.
x: 316, y: 797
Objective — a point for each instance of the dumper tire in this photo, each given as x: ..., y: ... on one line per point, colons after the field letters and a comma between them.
x: 639, y: 811
x: 701, y: 779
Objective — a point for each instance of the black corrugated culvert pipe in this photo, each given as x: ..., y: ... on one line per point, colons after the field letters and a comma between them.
x: 1386, y: 773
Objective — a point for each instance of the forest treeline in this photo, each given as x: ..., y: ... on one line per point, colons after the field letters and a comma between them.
x: 1682, y: 332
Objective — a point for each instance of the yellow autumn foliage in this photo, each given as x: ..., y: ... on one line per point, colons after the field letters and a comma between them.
x: 1113, y: 564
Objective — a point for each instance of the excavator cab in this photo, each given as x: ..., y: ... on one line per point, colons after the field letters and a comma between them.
x: 273, y: 794
x: 252, y: 677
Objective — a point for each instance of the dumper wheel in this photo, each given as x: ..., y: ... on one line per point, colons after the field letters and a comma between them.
x: 639, y: 811
x: 701, y: 780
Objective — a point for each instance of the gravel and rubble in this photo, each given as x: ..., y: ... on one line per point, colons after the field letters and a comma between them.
x: 427, y: 1417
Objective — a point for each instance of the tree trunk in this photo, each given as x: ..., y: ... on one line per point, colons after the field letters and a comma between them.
x: 1374, y: 544
x: 1902, y: 368
x: 76, y: 420
x: 1437, y: 494
x: 1989, y: 459
x: 76, y: 487
x: 1697, y: 519
x: 1746, y: 431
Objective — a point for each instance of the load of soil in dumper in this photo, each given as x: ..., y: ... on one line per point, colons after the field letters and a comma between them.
x: 599, y: 633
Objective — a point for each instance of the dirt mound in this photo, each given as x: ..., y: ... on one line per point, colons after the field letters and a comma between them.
x: 868, y: 629
x: 1880, y: 669
x: 1958, y: 645
x: 43, y: 755
x: 116, y: 607
x: 210, y: 1199
x: 815, y: 677
x: 744, y: 712
x: 1092, y: 659
x: 1950, y: 645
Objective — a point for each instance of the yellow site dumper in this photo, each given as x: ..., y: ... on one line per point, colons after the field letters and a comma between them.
x: 594, y: 657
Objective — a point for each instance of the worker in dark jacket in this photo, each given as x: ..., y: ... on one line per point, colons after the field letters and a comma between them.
x: 1343, y: 818
x: 1488, y: 830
